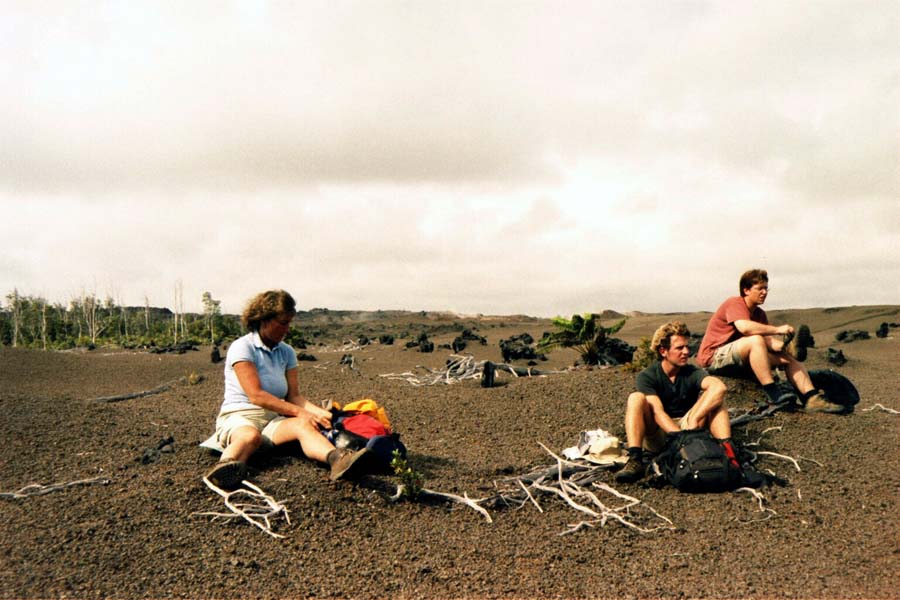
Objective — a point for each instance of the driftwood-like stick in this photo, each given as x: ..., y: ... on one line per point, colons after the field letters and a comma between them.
x: 39, y: 490
x: 775, y: 454
x: 398, y: 494
x: 565, y: 497
x: 575, y: 527
x: 882, y: 407
x: 464, y: 499
x: 530, y: 497
x: 157, y: 390
x: 756, y: 494
x: 764, y: 432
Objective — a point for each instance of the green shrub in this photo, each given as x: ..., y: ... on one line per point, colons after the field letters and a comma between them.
x: 643, y: 357
x: 410, y: 479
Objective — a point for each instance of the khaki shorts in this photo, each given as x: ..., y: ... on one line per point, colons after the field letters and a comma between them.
x: 726, y: 358
x: 264, y: 421
x: 655, y: 442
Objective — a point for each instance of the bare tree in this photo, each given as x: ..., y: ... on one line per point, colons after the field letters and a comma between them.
x: 75, y: 309
x: 90, y: 311
x: 179, y: 308
x: 15, y: 309
x: 211, y: 309
x: 44, y: 324
x: 147, y: 315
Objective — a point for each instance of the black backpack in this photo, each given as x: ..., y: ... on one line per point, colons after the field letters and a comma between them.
x: 838, y: 389
x: 693, y: 461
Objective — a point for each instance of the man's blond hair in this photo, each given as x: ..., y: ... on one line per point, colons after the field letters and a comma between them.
x: 662, y: 337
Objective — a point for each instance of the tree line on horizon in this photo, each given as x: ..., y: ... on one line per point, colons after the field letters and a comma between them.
x: 87, y: 321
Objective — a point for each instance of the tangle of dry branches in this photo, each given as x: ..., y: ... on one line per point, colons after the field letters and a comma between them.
x: 577, y: 484
x: 460, y: 368
x: 259, y: 509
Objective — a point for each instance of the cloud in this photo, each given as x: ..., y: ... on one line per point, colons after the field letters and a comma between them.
x: 483, y: 157
x: 172, y: 96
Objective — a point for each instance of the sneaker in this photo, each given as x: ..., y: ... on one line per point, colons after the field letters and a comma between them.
x: 631, y: 472
x: 819, y: 403
x: 227, y: 475
x: 345, y: 460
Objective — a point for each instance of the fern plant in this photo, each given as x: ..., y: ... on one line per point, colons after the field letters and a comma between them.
x: 585, y: 334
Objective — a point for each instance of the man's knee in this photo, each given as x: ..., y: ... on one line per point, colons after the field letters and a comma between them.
x: 636, y: 400
x: 754, y: 343
x: 716, y: 390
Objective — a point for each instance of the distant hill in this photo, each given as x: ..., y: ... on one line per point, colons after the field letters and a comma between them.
x: 323, y: 323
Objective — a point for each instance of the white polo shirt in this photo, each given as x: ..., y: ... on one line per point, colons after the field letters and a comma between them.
x: 271, y: 365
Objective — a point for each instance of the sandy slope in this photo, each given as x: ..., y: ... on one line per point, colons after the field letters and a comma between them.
x: 835, y: 533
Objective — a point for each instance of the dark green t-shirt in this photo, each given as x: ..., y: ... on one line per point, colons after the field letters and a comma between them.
x: 677, y: 398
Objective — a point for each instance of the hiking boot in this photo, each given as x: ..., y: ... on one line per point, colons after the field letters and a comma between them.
x: 342, y: 463
x: 819, y: 403
x: 227, y: 475
x: 631, y: 472
x: 787, y: 345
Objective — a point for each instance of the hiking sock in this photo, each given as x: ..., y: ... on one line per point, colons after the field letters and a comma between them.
x: 728, y: 447
x: 637, y: 453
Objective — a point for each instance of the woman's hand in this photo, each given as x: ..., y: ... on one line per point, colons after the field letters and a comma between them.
x: 318, y: 416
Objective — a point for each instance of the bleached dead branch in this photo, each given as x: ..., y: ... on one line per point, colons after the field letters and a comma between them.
x: 762, y: 433
x: 776, y: 455
x: 882, y: 407
x: 530, y: 497
x: 157, y: 390
x: 347, y: 346
x: 258, y: 511
x: 460, y: 368
x: 39, y: 490
x: 760, y: 498
x: 464, y: 499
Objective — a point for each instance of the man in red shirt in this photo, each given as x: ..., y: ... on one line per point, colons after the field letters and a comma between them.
x: 739, y: 338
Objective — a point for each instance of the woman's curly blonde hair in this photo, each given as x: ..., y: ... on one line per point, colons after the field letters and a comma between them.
x: 662, y: 337
x: 267, y: 305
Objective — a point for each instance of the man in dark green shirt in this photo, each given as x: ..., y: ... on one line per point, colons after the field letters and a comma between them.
x: 672, y: 395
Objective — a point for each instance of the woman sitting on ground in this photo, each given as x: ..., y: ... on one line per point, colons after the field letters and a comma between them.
x: 262, y: 399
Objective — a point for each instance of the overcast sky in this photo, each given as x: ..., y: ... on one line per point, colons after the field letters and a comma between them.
x: 488, y: 157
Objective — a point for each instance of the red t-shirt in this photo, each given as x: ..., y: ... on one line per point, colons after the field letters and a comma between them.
x: 721, y: 329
